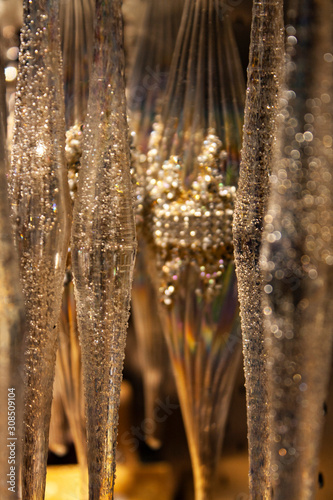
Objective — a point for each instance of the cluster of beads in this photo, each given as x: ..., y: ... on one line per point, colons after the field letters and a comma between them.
x: 187, y: 225
x: 73, y: 149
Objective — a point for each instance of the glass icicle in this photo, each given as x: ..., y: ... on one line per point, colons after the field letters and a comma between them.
x: 205, y: 90
x: 298, y: 254
x: 188, y: 204
x: 261, y: 109
x: 146, y: 90
x: 11, y: 331
x: 40, y: 215
x: 103, y: 246
x: 151, y: 68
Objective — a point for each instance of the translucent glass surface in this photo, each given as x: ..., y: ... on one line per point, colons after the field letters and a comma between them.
x: 187, y: 205
x: 11, y: 333
x: 261, y: 109
x: 103, y: 246
x: 40, y: 214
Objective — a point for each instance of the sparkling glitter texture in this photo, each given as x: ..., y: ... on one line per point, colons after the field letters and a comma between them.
x: 298, y: 256
x: 186, y: 197
x: 40, y: 214
x: 11, y: 322
x: 186, y: 201
x: 261, y: 109
x: 146, y: 90
x: 103, y: 246
x: 191, y: 224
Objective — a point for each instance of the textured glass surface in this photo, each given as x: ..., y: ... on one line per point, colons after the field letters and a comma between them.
x: 103, y: 246
x: 149, y: 76
x: 261, y: 109
x: 11, y: 332
x: 187, y: 206
x: 298, y: 255
x: 205, y: 89
x: 40, y: 214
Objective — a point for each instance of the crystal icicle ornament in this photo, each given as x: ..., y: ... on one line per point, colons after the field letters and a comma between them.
x: 188, y: 207
x: 146, y: 90
x: 151, y: 68
x: 298, y: 255
x: 103, y: 246
x: 11, y: 333
x: 205, y: 90
x: 40, y: 213
x: 261, y: 109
